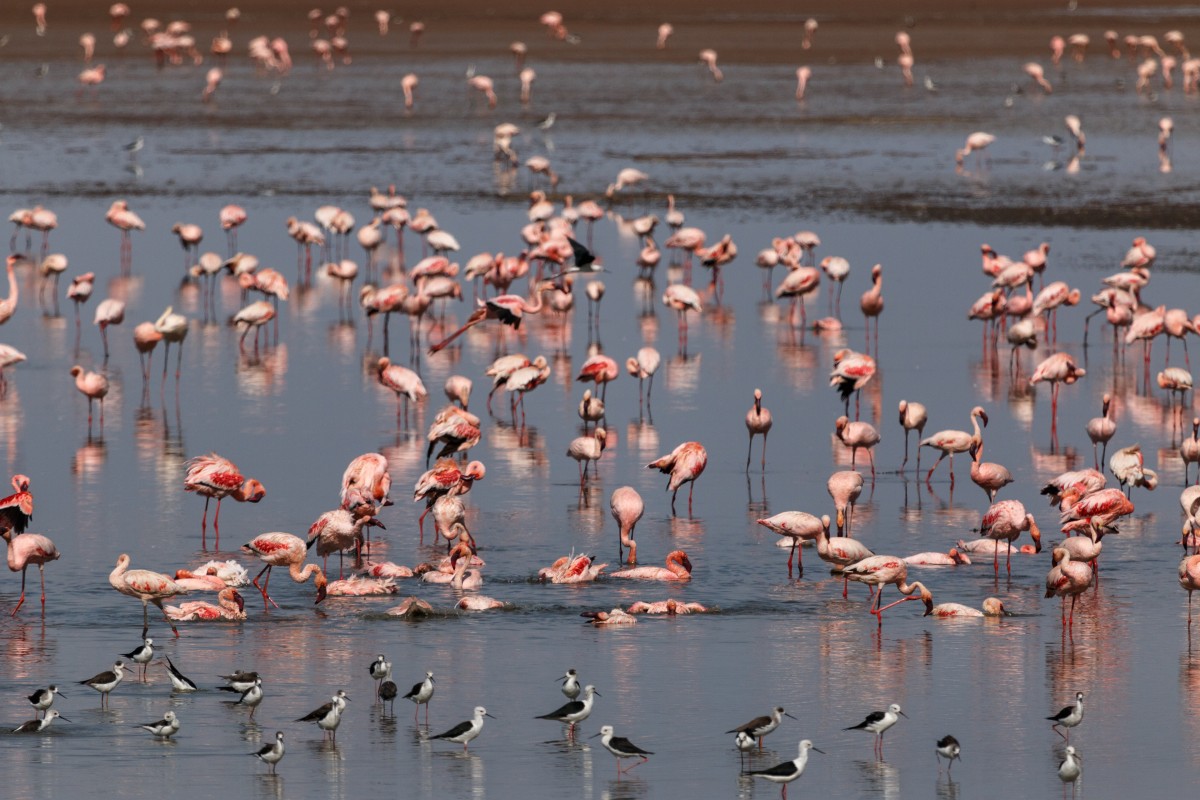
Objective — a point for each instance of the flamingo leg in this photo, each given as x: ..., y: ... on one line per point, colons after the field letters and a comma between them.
x: 263, y: 588
x: 22, y: 600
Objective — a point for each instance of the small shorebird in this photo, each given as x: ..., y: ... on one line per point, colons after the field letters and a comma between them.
x: 106, y: 681
x: 42, y: 699
x: 252, y: 695
x: 421, y: 693
x: 387, y: 694
x: 570, y: 683
x: 381, y: 670
x: 1069, y: 717
x: 39, y: 725
x: 271, y: 754
x: 761, y: 726
x: 949, y: 749
x: 1070, y: 770
x: 788, y: 771
x: 574, y: 711
x: 621, y: 747
x: 142, y: 655
x: 744, y: 743
x: 877, y: 722
x: 464, y: 732
x: 238, y: 681
x: 328, y: 716
x: 164, y: 728
x: 179, y: 681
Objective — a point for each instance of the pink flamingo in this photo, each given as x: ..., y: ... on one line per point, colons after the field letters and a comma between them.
x: 411, y: 608
x: 664, y: 33
x: 458, y: 389
x: 796, y: 525
x: 1189, y: 579
x: 232, y: 606
x: 913, y: 417
x: 404, y: 382
x: 951, y: 442
x: 278, y: 549
x: 444, y: 479
x: 855, y: 435
x: 587, y: 448
x: 1005, y: 521
x: 337, y: 531
x: 682, y: 299
x: 508, y: 308
x: 992, y: 607
x: 366, y: 482
x: 758, y: 421
x: 1096, y: 511
x: 851, y: 372
x: 9, y: 355
x: 976, y: 142
x: 461, y: 577
x: 602, y: 370
x: 213, y: 476
x: 987, y: 475
x: 684, y: 464
x: 208, y: 581
x: 803, y: 75
x: 94, y: 386
x: 882, y: 570
x: 1065, y: 490
x: 1065, y: 578
x: 25, y: 549
x: 360, y: 586
x: 627, y: 508
x: 844, y: 487
x: 79, y: 292
x: 147, y: 586
x: 477, y: 602
x: 796, y: 284
x: 871, y: 303
x: 231, y: 217
x: 643, y: 366
x: 1189, y: 450
x: 124, y: 220
x: 679, y: 568
x: 16, y: 510
x: 455, y: 429
x: 953, y: 558
x: 603, y: 619
x: 1058, y: 368
x: 841, y: 552
x: 387, y: 569
x: 671, y: 607
x: 110, y: 312
x: 572, y: 569
x: 1101, y: 429
x: 8, y: 305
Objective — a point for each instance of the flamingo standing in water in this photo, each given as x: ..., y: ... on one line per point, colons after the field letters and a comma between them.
x: 912, y: 418
x: 278, y: 549
x: 94, y: 386
x: 147, y: 586
x: 1065, y: 578
x: 758, y: 421
x: 684, y: 464
x: 987, y: 475
x: 444, y: 479
x: 844, y: 487
x: 855, y: 435
x: 871, y: 304
x: 214, y: 476
x: 404, y: 382
x: 366, y: 482
x: 951, y: 442
x: 25, y: 549
x: 643, y: 366
x: 841, y: 553
x: 1100, y: 430
x: 797, y: 525
x: 679, y: 568
x: 1005, y: 521
x: 16, y: 510
x: 682, y: 299
x: 627, y: 508
x: 337, y: 531
x: 1189, y: 579
x: 882, y: 570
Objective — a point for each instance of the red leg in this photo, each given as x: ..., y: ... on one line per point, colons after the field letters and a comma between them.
x: 22, y: 600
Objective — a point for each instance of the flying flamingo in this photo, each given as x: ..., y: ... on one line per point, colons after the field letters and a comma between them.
x: 1004, y: 521
x: 284, y: 550
x: 147, y: 586
x: 758, y: 421
x: 94, y: 386
x: 679, y: 568
x: 508, y: 308
x: 1067, y: 577
x: 214, y: 476
x: 627, y: 508
x: 16, y: 510
x: 912, y: 418
x: 855, y: 435
x: 844, y: 487
x: 684, y: 464
x: 951, y: 442
x: 25, y: 549
x: 882, y: 570
x: 796, y: 525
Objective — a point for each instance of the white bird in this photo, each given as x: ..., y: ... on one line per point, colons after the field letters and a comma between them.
x: 164, y: 728
x: 271, y: 754
x: 464, y: 732
x: 788, y: 771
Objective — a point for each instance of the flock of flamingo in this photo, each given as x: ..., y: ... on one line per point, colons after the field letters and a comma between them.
x: 559, y: 257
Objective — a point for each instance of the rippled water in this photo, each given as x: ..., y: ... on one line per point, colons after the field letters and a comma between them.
x: 863, y: 163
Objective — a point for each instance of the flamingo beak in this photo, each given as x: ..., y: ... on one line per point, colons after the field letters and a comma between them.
x: 320, y: 594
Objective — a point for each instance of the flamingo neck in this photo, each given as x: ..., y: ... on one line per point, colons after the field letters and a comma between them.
x: 301, y: 575
x: 978, y: 432
x: 910, y: 588
x: 13, y: 290
x: 677, y: 568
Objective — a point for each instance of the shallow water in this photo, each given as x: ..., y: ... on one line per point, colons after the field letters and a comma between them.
x: 864, y: 163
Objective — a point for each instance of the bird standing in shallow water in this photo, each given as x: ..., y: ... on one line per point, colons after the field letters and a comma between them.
x: 1070, y: 770
x: 948, y: 748
x: 464, y: 732
x: 761, y: 726
x: 758, y: 421
x: 164, y: 728
x: 39, y: 725
x: 1068, y: 717
x: 421, y: 693
x: 788, y: 771
x: 621, y: 748
x: 105, y: 682
x: 271, y: 754
x: 878, y: 722
x: 328, y: 716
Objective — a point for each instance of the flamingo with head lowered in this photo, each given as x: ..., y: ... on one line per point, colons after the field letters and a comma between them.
x: 679, y: 568
x: 284, y: 550
x: 882, y: 570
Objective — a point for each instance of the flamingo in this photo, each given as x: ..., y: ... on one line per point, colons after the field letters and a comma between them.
x: 1096, y: 512
x: 79, y: 292
x: 1065, y: 490
x: 455, y: 429
x: 855, y: 435
x: 231, y: 218
x: 795, y: 285
x: 1189, y: 579
x: 9, y: 356
x: 871, y: 303
x: 1189, y: 451
x: 844, y: 487
x: 627, y: 508
x: 460, y: 577
x: 992, y: 607
x: 643, y: 366
x: 360, y: 586
x: 953, y: 558
x: 602, y: 370
x: 682, y: 299
x: 587, y: 448
x: 797, y: 525
x: 951, y: 442
x: 758, y: 421
x: 987, y: 475
x: 458, y: 389
x: 337, y: 531
x: 678, y: 568
x: 232, y: 606
x: 124, y: 220
x: 366, y: 482
x: 25, y: 549
x: 147, y: 586
x: 1127, y: 466
x: 16, y: 510
x: 841, y: 552
x: 912, y: 418
x: 572, y: 569
x: 976, y: 142
x: 508, y: 308
x: 851, y: 372
x: 445, y: 479
x: 684, y: 464
x: 1065, y: 578
x: 671, y: 607
x: 278, y: 549
x: 213, y: 476
x: 1101, y: 429
x: 882, y: 570
x: 94, y: 386
x: 174, y: 328
x: 404, y: 382
x: 1005, y: 521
